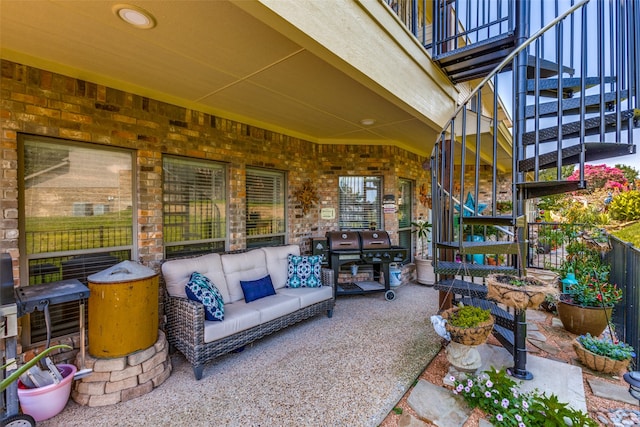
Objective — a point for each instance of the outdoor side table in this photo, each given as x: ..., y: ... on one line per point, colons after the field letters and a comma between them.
x: 40, y: 297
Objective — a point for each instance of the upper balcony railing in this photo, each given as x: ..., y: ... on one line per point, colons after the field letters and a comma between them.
x: 488, y: 19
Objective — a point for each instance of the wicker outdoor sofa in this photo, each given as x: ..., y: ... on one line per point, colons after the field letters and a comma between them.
x: 202, y: 340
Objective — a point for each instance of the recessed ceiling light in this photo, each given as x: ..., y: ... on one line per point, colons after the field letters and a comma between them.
x: 367, y: 122
x: 135, y: 16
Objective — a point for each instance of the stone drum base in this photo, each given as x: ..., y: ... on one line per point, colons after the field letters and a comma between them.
x: 123, y: 378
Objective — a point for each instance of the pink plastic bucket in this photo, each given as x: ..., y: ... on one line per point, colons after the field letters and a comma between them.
x: 43, y: 403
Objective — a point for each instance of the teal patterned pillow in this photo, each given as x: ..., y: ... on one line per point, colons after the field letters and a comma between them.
x: 200, y: 288
x: 304, y: 271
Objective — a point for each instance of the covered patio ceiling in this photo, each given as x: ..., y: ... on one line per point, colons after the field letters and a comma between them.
x: 211, y: 56
x: 216, y: 57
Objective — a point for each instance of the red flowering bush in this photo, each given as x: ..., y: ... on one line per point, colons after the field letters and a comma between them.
x: 601, y: 176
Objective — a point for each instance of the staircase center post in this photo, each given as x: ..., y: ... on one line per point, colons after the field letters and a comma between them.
x: 520, y: 69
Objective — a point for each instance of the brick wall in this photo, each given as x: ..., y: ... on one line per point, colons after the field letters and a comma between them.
x: 39, y: 102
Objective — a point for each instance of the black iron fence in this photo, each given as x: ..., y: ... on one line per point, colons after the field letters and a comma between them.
x: 624, y: 259
x: 548, y: 242
x: 40, y: 241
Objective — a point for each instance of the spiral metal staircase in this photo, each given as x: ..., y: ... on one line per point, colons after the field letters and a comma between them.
x: 568, y: 77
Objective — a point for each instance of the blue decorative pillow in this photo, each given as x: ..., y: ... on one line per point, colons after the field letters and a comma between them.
x: 200, y: 288
x: 304, y: 271
x: 256, y: 289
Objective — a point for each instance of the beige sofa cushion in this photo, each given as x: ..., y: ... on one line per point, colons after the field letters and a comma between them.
x: 177, y: 272
x: 277, y: 263
x: 275, y: 306
x: 238, y: 317
x: 251, y: 265
x: 309, y: 296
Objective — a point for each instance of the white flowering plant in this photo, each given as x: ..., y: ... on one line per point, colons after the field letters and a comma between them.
x: 498, y: 395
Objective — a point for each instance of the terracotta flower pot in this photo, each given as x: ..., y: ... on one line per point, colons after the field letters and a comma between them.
x: 424, y: 271
x: 579, y: 320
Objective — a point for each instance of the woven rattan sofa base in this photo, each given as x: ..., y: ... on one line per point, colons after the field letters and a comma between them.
x: 185, y: 330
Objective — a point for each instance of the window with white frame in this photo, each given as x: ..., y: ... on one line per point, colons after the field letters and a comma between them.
x: 265, y: 208
x: 76, y: 218
x: 360, y: 203
x: 194, y: 206
x: 405, y: 205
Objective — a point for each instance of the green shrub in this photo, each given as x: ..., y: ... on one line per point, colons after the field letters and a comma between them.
x: 626, y: 206
x: 469, y: 317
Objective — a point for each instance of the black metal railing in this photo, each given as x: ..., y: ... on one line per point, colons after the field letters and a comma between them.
x: 624, y: 259
x: 548, y: 242
x: 39, y: 242
x: 460, y: 23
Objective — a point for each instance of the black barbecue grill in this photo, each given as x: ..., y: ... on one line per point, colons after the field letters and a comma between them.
x: 372, y: 247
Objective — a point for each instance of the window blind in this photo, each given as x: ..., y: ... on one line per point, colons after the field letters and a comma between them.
x: 360, y: 202
x: 194, y: 206
x: 265, y: 208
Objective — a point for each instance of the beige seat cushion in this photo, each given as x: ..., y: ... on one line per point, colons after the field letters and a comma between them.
x: 309, y: 296
x: 237, y: 317
x: 275, y: 306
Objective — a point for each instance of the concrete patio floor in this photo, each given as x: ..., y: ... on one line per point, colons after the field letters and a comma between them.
x: 349, y: 370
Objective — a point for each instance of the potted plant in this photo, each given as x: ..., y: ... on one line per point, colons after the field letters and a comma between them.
x: 603, y: 354
x: 468, y: 325
x: 588, y: 302
x: 518, y: 292
x: 424, y: 269
x: 587, y: 306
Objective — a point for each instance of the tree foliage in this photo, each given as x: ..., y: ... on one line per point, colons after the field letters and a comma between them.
x: 629, y: 172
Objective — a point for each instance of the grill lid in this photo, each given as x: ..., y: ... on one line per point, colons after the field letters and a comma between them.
x: 376, y: 239
x: 343, y: 240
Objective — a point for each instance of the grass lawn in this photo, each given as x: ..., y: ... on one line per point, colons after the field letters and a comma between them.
x: 629, y: 234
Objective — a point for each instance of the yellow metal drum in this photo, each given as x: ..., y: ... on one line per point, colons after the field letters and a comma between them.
x: 123, y: 310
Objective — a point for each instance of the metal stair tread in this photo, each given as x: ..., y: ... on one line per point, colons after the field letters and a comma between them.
x: 572, y: 130
x: 547, y: 69
x: 571, y: 155
x: 549, y: 86
x: 572, y: 105
x: 461, y: 287
x: 506, y: 220
x: 484, y: 247
x: 475, y: 59
x: 467, y: 269
x: 491, y: 44
x: 533, y: 189
x: 505, y: 336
